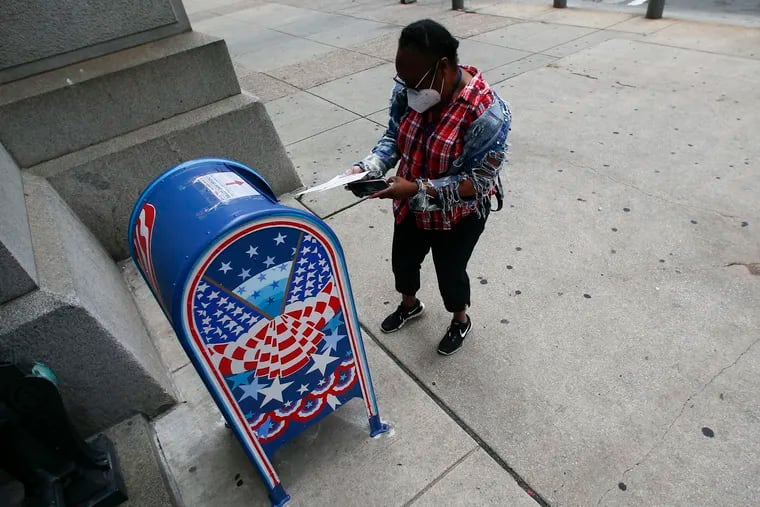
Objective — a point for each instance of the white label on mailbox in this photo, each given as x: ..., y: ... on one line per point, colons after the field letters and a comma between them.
x: 227, y: 186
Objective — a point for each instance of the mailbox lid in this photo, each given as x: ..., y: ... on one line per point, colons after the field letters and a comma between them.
x: 184, y: 211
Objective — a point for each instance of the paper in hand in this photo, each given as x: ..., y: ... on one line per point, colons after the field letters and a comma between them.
x: 338, y: 181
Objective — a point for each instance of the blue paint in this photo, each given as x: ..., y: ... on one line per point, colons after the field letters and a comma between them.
x: 259, y: 296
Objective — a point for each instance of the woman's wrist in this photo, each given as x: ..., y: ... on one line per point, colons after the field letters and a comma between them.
x: 422, y: 187
x: 426, y: 187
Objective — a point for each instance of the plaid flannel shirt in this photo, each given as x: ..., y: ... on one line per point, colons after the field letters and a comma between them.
x: 445, y: 150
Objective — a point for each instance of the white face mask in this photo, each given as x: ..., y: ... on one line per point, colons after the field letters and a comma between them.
x: 422, y: 100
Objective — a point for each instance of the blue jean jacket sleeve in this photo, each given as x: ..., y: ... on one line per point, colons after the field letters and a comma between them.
x: 485, y: 148
x: 385, y: 154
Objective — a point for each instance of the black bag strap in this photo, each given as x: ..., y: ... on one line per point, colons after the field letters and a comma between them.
x: 499, y: 194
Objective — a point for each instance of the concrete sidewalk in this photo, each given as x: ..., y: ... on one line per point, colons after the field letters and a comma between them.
x: 614, y: 359
x: 425, y: 458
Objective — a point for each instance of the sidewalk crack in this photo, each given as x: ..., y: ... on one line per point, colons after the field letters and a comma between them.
x: 441, y: 476
x: 678, y: 416
x: 654, y: 196
x: 718, y: 53
x: 522, y: 483
x: 584, y: 75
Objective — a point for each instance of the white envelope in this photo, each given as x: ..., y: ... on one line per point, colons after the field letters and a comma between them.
x: 338, y: 181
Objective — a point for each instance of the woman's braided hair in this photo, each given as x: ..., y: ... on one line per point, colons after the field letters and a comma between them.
x: 430, y: 38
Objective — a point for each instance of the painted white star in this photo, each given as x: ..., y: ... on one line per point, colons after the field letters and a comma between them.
x: 224, y: 319
x: 333, y: 401
x: 298, y: 280
x: 207, y: 321
x: 202, y: 286
x: 230, y: 306
x: 253, y: 319
x: 321, y: 361
x: 213, y: 295
x: 225, y: 267
x: 245, y: 274
x: 308, y: 238
x: 237, y: 311
x: 269, y: 262
x: 280, y: 239
x: 322, y: 382
x: 303, y: 389
x: 274, y: 391
x: 223, y: 301
x: 253, y: 250
x: 288, y: 404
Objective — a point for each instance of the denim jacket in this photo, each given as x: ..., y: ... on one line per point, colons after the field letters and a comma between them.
x: 485, y: 148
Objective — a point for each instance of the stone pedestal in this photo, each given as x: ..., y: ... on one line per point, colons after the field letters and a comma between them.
x: 96, y: 99
x: 39, y: 35
x: 17, y: 270
x: 82, y: 321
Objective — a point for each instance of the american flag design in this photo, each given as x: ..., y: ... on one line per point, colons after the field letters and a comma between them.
x: 142, y: 240
x: 268, y: 311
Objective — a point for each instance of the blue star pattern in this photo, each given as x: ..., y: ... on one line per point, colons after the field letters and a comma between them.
x: 244, y: 284
x: 222, y: 317
x: 255, y: 290
x: 257, y: 267
x: 311, y: 272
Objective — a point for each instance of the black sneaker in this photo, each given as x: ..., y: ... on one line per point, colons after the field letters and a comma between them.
x: 454, y: 337
x: 396, y: 320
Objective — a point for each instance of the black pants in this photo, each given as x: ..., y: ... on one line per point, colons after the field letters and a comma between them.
x: 451, y: 252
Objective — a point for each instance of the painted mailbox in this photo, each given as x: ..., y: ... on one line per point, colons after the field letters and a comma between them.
x: 259, y: 296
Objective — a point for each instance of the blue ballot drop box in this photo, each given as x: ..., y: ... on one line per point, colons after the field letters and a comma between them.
x: 259, y: 296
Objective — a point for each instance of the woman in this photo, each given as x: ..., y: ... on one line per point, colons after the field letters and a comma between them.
x: 448, y: 132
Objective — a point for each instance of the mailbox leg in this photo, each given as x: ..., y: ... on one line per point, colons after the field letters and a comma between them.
x: 376, y: 426
x: 278, y: 496
x: 560, y: 4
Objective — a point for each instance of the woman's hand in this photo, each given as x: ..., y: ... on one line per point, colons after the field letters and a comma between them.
x: 399, y: 189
